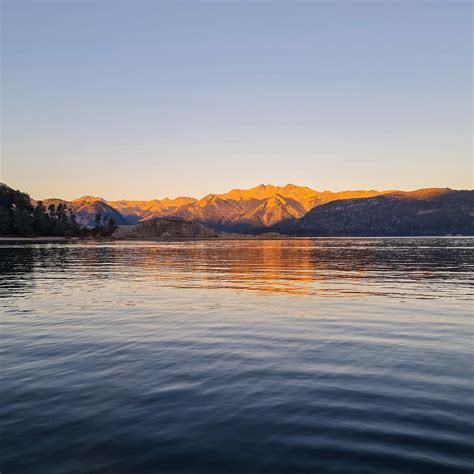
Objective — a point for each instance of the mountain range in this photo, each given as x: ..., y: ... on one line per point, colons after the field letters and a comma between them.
x: 299, y: 210
x: 237, y: 210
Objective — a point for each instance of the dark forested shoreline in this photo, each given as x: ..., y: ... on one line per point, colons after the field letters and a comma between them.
x: 20, y: 216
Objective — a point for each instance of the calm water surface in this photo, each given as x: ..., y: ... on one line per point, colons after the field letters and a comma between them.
x: 318, y: 356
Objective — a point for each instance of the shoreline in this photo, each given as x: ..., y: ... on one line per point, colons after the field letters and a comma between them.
x: 40, y: 240
x: 45, y: 240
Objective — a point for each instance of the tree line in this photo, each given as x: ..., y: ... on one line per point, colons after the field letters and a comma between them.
x: 19, y: 217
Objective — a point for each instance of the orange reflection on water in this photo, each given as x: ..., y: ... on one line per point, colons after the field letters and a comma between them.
x: 300, y: 266
x: 339, y: 267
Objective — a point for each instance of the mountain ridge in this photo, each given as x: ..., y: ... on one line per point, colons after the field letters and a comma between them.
x: 243, y: 209
x: 263, y: 206
x: 424, y: 212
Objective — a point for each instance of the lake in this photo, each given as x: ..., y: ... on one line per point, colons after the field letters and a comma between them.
x: 252, y: 356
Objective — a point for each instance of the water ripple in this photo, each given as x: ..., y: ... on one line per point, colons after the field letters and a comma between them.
x: 298, y: 356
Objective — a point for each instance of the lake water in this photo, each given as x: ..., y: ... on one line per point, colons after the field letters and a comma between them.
x: 317, y: 356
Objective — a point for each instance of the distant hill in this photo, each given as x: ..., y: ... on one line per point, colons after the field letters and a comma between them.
x: 423, y: 212
x: 85, y: 208
x: 165, y: 228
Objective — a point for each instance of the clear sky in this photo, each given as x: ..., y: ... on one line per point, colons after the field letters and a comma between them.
x: 148, y: 99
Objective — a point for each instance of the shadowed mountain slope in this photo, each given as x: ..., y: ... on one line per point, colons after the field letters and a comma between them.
x: 422, y: 212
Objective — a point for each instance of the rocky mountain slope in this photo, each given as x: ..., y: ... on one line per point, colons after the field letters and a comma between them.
x: 423, y: 212
x: 263, y: 205
x: 135, y: 211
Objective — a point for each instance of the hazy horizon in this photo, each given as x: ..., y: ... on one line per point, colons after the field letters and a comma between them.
x: 154, y: 99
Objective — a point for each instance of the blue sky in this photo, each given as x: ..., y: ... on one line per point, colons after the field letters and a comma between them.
x: 164, y: 98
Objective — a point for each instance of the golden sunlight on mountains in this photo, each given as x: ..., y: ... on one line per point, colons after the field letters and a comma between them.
x: 239, y: 209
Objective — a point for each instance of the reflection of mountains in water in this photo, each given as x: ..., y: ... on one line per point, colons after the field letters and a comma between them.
x: 387, y: 267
